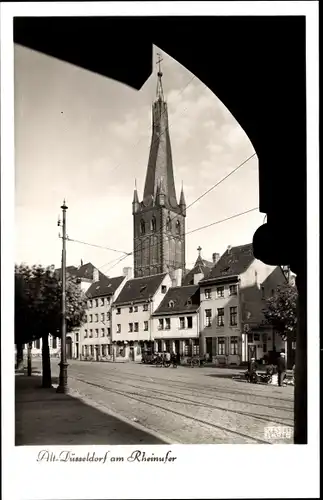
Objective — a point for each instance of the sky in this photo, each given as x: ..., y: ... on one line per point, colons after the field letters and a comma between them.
x: 86, y: 138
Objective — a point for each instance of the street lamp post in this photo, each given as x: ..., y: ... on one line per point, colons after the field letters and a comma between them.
x: 62, y: 387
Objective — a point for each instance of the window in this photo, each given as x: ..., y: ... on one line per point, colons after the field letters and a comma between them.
x: 264, y: 348
x: 130, y: 327
x: 189, y: 302
x: 145, y: 307
x: 178, y: 227
x: 250, y: 338
x: 91, y: 334
x: 118, y: 310
x: 142, y: 227
x: 109, y: 331
x: 161, y: 324
x: 220, y: 291
x: 186, y: 349
x: 118, y: 328
x: 163, y: 289
x: 102, y: 316
x: 92, y: 350
x: 54, y: 342
x: 91, y: 318
x: 102, y: 332
x: 182, y: 323
x: 96, y: 332
x: 208, y: 317
x: 76, y: 337
x: 146, y: 326
x: 96, y: 318
x: 171, y: 303
x: 153, y: 224
x: 233, y: 316
x: 196, y: 349
x: 102, y: 302
x: 108, y: 316
x: 207, y: 293
x: 108, y: 300
x: 293, y: 345
x: 130, y: 309
x: 256, y: 337
x: 167, y: 326
x: 221, y: 317
x: 89, y: 304
x: 234, y: 345
x: 168, y: 224
x: 96, y: 303
x: 221, y: 346
x: 85, y: 318
x: 136, y: 327
x: 85, y: 334
x: 189, y: 322
x: 135, y: 309
x: 233, y: 289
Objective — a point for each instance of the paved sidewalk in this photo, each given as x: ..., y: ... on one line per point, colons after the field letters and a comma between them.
x: 44, y: 417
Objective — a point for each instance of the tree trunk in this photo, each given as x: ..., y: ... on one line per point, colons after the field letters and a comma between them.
x: 29, y: 359
x: 19, y: 356
x: 47, y: 376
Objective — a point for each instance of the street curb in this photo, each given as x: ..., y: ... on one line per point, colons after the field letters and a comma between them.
x: 77, y: 395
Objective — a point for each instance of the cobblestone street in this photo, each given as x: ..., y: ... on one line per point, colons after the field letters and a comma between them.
x: 185, y: 405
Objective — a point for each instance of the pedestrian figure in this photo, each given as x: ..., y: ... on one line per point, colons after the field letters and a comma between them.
x: 252, y: 369
x: 281, y: 368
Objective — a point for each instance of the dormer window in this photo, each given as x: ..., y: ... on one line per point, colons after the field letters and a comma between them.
x: 178, y: 227
x: 168, y: 224
x: 142, y: 227
x: 153, y: 224
x: 189, y: 302
x: 171, y: 303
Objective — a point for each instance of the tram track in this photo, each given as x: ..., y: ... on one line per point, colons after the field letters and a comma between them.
x: 140, y: 399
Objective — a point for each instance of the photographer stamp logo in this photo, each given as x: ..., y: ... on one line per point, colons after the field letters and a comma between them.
x: 278, y: 432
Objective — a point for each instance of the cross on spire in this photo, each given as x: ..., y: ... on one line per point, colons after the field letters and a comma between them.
x: 159, y: 90
x: 199, y: 249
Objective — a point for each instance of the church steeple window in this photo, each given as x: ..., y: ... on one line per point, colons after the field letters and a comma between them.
x: 153, y: 224
x: 178, y: 227
x: 168, y: 224
x: 142, y: 227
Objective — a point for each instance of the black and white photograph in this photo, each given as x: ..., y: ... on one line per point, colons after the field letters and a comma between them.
x: 160, y: 244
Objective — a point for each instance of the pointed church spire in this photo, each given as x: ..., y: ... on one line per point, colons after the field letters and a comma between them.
x: 135, y: 202
x: 182, y: 202
x: 160, y: 163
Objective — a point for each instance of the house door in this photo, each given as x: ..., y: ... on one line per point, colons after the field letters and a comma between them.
x: 68, y: 347
x: 252, y: 352
x: 132, y: 354
x: 208, y: 348
x: 176, y: 346
x: 77, y: 352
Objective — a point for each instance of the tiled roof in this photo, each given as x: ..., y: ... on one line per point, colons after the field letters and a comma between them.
x: 106, y: 286
x: 201, y: 266
x: 233, y: 262
x: 140, y: 289
x: 83, y: 272
x: 184, y: 299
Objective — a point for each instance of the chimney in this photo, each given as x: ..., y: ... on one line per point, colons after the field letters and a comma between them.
x: 178, y: 277
x: 198, y: 277
x: 215, y: 258
x: 229, y: 249
x: 95, y: 275
x: 127, y: 272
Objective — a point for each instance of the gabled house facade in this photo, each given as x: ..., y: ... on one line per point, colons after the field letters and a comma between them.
x: 176, y: 321
x: 232, y: 324
x: 132, y: 329
x: 95, y: 333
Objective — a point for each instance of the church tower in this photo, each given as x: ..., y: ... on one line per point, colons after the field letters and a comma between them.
x: 158, y: 220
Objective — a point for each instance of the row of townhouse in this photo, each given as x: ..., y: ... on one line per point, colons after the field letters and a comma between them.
x: 214, y: 310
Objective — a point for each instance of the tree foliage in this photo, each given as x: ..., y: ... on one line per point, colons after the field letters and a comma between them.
x: 38, y: 299
x: 281, y: 310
